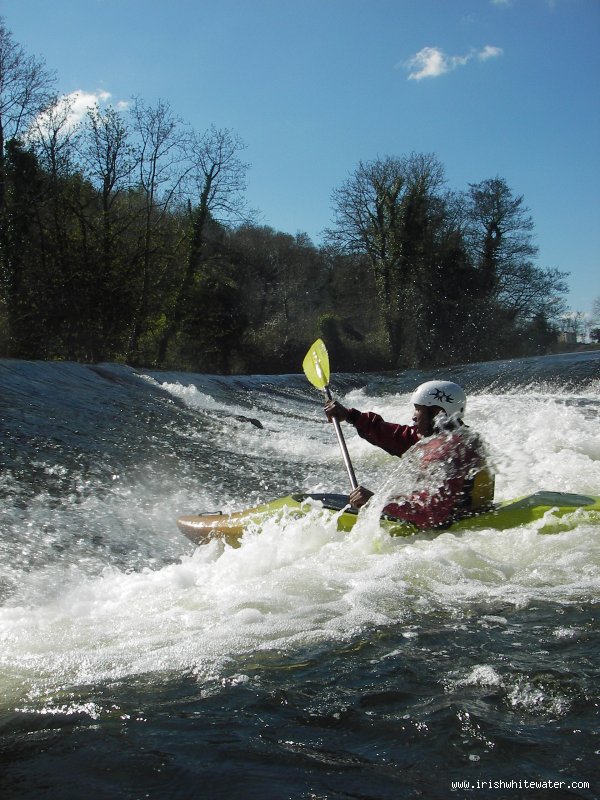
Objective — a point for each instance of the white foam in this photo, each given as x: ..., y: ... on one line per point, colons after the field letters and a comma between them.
x: 296, y: 582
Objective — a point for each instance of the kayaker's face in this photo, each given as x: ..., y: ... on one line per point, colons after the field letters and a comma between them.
x: 423, y: 419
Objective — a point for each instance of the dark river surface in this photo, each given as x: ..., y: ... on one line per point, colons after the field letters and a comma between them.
x: 307, y: 663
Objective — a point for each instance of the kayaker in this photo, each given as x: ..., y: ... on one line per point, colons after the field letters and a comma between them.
x: 448, y: 450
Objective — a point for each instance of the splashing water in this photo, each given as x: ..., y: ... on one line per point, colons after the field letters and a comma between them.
x: 98, y: 588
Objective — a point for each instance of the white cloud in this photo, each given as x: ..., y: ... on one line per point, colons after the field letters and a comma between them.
x: 489, y: 51
x: 431, y: 62
x: 76, y: 104
x: 70, y: 109
x: 80, y: 103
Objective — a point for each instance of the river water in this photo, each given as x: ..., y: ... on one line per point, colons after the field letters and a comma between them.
x: 307, y: 663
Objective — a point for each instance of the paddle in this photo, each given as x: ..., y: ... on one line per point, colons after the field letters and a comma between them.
x: 316, y: 369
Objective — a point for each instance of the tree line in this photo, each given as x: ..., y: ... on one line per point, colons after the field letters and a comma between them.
x: 126, y: 236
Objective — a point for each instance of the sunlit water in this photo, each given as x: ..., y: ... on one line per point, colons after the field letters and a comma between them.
x: 308, y: 663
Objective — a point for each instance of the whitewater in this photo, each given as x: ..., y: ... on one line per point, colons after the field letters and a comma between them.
x: 307, y: 663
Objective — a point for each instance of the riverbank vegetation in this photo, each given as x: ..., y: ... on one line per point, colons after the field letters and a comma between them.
x: 125, y: 236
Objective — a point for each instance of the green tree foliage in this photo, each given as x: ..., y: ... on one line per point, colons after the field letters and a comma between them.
x: 217, y: 179
x: 25, y: 87
x: 384, y: 210
x: 448, y: 268
x: 126, y: 237
x: 511, y: 290
x: 161, y: 171
x: 281, y: 279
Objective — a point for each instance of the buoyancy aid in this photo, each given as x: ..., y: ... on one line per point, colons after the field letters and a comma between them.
x: 479, y: 491
x: 467, y: 482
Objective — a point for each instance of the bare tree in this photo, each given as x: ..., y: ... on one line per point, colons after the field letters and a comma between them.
x: 217, y: 180
x: 162, y: 170
x: 574, y: 323
x: 499, y: 235
x: 108, y: 159
x: 25, y: 90
x: 375, y: 213
x: 108, y: 153
x: 54, y: 138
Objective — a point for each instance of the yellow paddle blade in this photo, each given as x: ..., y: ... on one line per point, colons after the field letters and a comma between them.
x: 316, y: 365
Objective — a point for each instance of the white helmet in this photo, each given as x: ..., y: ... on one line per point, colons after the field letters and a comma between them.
x: 445, y: 394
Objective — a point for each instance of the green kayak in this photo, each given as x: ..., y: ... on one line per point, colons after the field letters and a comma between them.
x: 544, y: 505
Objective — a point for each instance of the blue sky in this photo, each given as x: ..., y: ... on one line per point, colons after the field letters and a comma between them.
x: 503, y: 88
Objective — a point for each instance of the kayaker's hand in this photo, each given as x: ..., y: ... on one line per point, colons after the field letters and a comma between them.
x: 360, y: 496
x: 337, y: 410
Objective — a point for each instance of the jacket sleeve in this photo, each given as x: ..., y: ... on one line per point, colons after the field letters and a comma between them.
x: 393, y: 438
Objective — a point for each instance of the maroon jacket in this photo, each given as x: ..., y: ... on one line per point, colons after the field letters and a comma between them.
x: 393, y: 438
x: 459, y: 454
